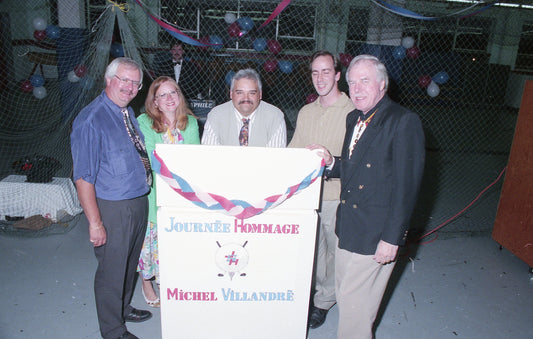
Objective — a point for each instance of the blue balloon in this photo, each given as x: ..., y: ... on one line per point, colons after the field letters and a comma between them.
x: 53, y: 31
x: 228, y: 77
x: 37, y: 80
x: 117, y: 50
x: 245, y: 23
x: 216, y: 41
x: 398, y: 52
x: 285, y: 66
x: 441, y: 77
x: 260, y: 44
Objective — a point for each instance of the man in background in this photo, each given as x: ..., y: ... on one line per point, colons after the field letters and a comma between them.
x: 174, y: 64
x: 324, y: 122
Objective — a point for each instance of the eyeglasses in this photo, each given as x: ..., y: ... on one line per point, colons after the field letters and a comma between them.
x: 125, y: 82
x: 172, y: 94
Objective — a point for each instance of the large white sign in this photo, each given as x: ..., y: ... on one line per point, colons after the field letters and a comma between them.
x: 227, y: 277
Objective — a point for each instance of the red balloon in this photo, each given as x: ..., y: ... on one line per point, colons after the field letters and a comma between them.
x: 274, y: 46
x: 39, y: 35
x: 80, y: 71
x: 345, y: 59
x: 205, y: 41
x: 26, y: 86
x: 413, y: 52
x: 424, y: 81
x: 234, y: 30
x: 270, y: 65
x: 310, y: 98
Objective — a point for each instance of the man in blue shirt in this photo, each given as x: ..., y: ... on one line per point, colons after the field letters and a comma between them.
x: 113, y: 182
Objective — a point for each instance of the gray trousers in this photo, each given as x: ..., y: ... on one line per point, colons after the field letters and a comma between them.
x: 125, y: 223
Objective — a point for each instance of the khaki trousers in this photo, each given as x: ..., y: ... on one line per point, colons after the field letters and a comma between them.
x: 324, y: 297
x: 360, y: 284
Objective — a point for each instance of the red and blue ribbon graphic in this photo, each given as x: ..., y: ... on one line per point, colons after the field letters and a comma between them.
x: 238, y: 208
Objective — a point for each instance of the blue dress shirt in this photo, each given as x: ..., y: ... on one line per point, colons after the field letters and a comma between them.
x: 103, y: 153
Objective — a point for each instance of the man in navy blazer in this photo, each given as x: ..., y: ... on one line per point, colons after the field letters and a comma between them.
x: 380, y: 167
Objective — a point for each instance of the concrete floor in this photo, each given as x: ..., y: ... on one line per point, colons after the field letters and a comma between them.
x: 448, y: 288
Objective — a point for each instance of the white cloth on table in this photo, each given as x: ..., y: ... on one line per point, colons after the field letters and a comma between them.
x: 52, y: 200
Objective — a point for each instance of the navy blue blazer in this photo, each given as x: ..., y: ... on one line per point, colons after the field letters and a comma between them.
x: 381, y: 180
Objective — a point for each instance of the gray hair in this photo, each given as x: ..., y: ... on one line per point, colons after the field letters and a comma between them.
x: 381, y: 70
x: 111, y: 69
x: 247, y: 73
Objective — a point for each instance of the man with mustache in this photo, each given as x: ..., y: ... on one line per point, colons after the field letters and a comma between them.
x: 113, y: 177
x: 245, y: 120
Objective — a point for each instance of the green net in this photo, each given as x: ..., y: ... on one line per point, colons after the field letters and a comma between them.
x: 461, y: 65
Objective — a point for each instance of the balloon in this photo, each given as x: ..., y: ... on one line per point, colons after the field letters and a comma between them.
x: 260, y: 44
x: 39, y: 35
x: 87, y: 82
x: 39, y: 24
x: 441, y: 77
x: 204, y: 40
x: 53, y: 31
x: 72, y: 77
x: 26, y: 86
x: 285, y: 66
x: 117, y: 50
x: 345, y: 59
x: 234, y: 30
x: 230, y: 18
x: 228, y: 77
x: 433, y: 89
x: 310, y: 98
x: 413, y: 52
x: 80, y: 70
x: 424, y: 81
x: 37, y: 80
x: 274, y: 46
x: 39, y: 92
x: 398, y: 52
x: 216, y: 41
x: 408, y: 42
x: 270, y: 65
x: 245, y: 23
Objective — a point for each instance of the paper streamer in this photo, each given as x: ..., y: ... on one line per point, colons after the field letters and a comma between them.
x: 237, y: 208
x: 410, y: 14
x: 173, y: 30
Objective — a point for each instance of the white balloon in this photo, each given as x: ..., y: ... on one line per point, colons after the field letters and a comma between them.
x: 39, y: 24
x: 39, y: 92
x: 230, y: 18
x: 433, y: 89
x: 72, y: 77
x: 408, y: 42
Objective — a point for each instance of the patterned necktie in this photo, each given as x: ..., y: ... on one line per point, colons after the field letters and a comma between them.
x: 243, y: 135
x: 362, y: 122
x: 139, y: 145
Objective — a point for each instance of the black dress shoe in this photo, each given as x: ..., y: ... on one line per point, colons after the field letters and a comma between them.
x: 137, y: 316
x: 317, y: 317
x: 128, y: 335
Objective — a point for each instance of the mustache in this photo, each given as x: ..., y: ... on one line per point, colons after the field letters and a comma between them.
x: 246, y: 102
